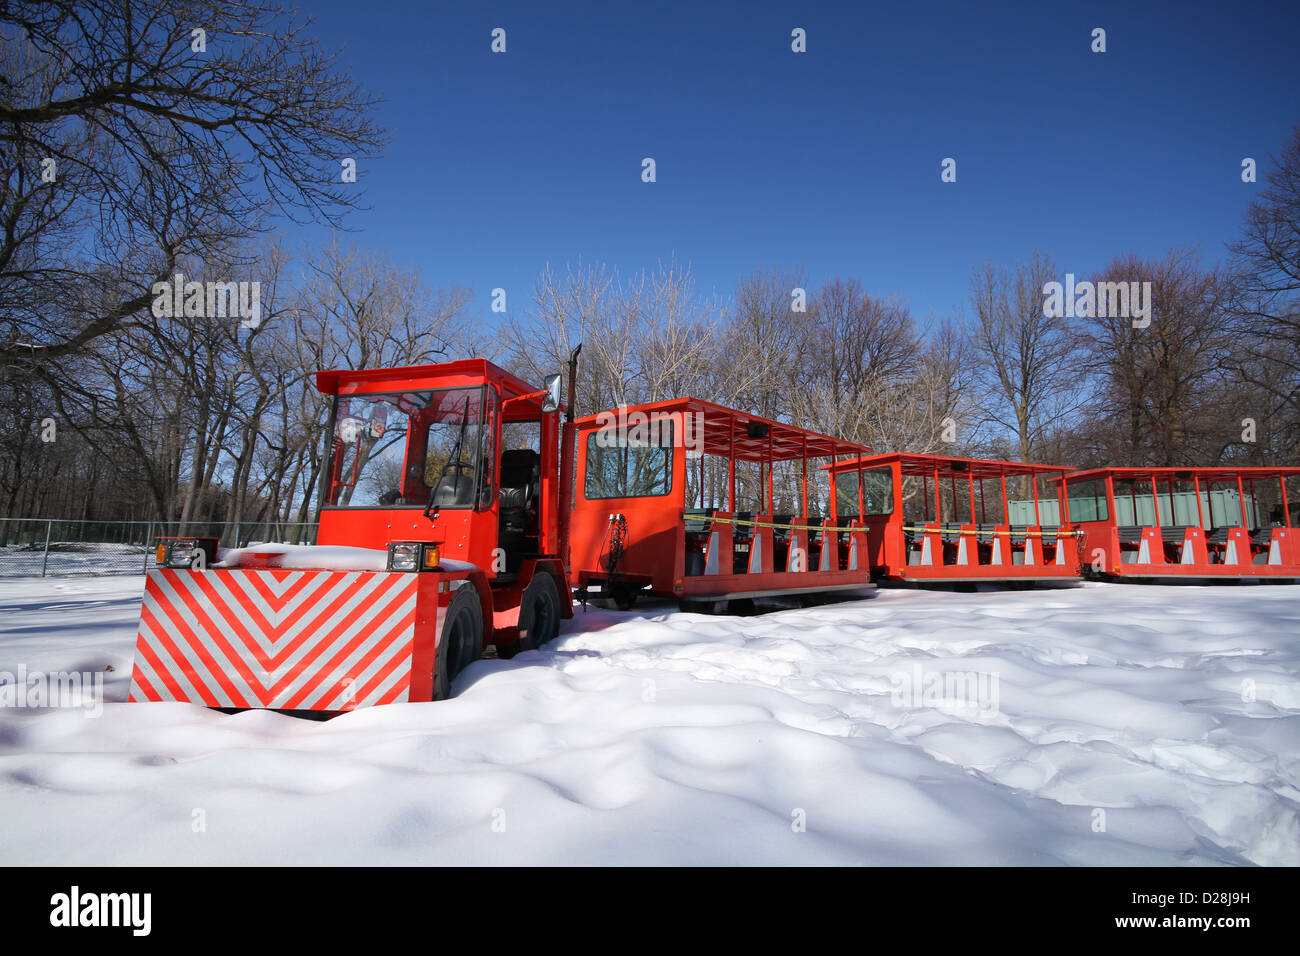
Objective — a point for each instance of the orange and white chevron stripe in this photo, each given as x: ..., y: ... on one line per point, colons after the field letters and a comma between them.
x: 283, y: 639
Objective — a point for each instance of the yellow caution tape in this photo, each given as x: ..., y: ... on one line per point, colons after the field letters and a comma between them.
x: 818, y: 527
x: 769, y: 524
x: 1034, y: 534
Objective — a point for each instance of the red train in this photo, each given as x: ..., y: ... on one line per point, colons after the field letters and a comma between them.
x: 679, y: 498
x: 456, y: 511
x: 1237, y: 523
x: 929, y: 518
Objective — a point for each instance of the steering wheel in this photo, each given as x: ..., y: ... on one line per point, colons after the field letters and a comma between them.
x: 454, y: 469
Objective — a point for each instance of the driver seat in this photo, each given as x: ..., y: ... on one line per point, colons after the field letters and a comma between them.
x: 520, y: 491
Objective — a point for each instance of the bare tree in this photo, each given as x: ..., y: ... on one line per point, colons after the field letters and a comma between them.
x: 137, y: 136
x: 1029, y: 358
x: 368, y: 312
x: 678, y: 342
x: 1266, y: 296
x: 856, y: 355
x: 762, y: 365
x: 644, y: 338
x: 1164, y: 388
x: 221, y: 423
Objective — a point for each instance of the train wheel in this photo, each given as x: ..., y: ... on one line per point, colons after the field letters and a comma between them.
x: 461, y: 641
x: 695, y: 606
x: 539, y: 613
x: 621, y: 597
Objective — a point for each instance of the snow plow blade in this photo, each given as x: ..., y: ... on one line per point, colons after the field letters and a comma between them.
x: 286, y: 639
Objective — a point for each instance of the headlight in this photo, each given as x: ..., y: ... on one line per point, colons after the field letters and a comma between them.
x: 181, y: 553
x: 403, y: 556
x: 184, y: 552
x: 412, y: 556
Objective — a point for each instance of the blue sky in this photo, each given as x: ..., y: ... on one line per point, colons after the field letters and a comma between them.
x: 827, y: 160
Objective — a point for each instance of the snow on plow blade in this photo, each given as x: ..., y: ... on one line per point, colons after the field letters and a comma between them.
x: 283, y: 639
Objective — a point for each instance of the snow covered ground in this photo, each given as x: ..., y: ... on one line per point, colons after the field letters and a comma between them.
x: 73, y: 557
x: 1105, y: 724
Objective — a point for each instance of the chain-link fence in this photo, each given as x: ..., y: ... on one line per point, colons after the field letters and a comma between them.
x: 45, y: 546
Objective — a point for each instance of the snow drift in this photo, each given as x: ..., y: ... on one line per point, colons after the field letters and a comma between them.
x: 1112, y: 724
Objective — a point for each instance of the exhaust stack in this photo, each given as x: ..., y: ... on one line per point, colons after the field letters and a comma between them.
x: 566, y: 457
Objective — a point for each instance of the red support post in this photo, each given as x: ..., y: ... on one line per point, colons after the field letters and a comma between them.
x: 862, y: 508
x: 701, y: 478
x: 731, y: 464
x: 803, y: 481
x: 771, y: 498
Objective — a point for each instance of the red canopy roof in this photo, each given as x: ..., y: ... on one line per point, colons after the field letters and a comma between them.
x: 948, y: 466
x: 417, y: 377
x: 729, y: 433
x: 1217, y: 473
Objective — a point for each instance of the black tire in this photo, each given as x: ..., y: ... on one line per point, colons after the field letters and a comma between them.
x: 461, y: 641
x: 539, y: 613
x: 621, y: 597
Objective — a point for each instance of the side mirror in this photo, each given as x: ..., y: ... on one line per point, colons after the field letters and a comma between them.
x: 552, y: 402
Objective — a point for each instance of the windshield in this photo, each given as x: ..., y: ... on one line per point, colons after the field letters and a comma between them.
x: 627, y: 466
x: 412, y: 449
x: 877, y: 492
